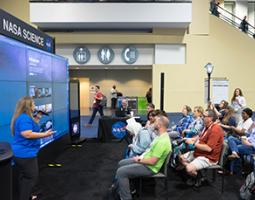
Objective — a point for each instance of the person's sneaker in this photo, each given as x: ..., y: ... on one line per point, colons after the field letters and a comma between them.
x: 233, y: 156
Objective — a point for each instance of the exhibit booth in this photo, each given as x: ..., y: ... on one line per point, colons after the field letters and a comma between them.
x: 29, y: 67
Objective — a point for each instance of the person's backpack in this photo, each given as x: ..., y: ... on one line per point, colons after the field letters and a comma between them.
x: 248, y: 188
x: 103, y: 102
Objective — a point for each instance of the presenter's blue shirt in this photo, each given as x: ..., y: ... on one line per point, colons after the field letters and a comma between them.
x: 23, y: 147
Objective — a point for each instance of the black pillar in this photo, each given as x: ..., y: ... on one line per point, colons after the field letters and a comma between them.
x: 162, y: 87
x: 209, y: 81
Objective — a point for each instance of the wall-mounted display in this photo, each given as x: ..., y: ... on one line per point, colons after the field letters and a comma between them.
x: 129, y: 55
x: 81, y: 55
x: 105, y: 55
x: 27, y: 71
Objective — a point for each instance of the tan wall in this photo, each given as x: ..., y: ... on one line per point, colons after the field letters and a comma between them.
x: 230, y: 51
x: 129, y: 82
x: 18, y: 8
x: 200, y: 17
x: 208, y: 40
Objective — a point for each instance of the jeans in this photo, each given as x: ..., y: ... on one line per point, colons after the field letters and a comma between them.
x: 128, y: 168
x: 236, y: 145
x: 28, y: 174
x: 95, y: 109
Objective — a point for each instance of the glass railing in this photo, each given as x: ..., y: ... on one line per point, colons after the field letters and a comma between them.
x: 233, y: 20
x: 112, y: 1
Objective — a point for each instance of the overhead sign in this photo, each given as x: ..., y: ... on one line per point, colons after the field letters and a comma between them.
x: 81, y: 55
x: 105, y: 55
x: 130, y: 55
x: 13, y: 27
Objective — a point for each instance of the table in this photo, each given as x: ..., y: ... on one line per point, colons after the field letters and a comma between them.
x: 112, y: 128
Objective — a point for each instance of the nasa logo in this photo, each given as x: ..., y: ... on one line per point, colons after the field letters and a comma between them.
x: 119, y: 129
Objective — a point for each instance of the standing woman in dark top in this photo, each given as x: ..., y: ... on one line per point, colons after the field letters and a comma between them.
x: 25, y: 145
x: 149, y: 95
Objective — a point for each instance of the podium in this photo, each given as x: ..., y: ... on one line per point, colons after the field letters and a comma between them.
x: 5, y: 171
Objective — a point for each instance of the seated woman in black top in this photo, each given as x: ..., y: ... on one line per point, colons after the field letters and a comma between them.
x: 123, y: 110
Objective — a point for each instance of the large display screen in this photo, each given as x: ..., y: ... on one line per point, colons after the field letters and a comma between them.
x: 26, y: 71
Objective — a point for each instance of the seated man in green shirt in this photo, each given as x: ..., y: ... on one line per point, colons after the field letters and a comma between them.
x: 148, y: 163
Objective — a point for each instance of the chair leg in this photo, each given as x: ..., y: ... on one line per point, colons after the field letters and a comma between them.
x: 166, y: 185
x: 214, y: 175
x: 140, y: 188
x: 222, y: 181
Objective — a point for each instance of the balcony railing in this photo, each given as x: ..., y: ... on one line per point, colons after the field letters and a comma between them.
x: 233, y: 20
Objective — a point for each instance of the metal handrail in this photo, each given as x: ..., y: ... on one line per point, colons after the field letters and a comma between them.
x: 233, y: 20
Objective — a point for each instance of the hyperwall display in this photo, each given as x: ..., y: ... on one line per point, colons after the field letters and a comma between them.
x: 26, y: 71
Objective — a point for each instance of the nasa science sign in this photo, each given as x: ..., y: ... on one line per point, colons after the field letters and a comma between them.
x: 12, y: 27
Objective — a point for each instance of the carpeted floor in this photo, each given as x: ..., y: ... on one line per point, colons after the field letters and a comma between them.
x: 87, y: 172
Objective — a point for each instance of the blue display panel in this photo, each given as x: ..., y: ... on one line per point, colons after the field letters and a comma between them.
x: 39, y: 66
x: 59, y: 70
x: 11, y: 92
x: 26, y: 71
x: 12, y: 60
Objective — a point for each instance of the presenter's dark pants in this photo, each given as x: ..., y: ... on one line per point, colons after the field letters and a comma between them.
x: 28, y: 175
x: 95, y: 109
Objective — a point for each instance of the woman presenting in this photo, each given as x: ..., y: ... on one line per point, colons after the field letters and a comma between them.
x: 25, y: 145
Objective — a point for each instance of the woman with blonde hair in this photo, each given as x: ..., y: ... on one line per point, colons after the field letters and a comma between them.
x: 25, y: 145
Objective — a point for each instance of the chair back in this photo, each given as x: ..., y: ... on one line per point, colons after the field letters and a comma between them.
x: 165, y: 165
x: 223, y: 152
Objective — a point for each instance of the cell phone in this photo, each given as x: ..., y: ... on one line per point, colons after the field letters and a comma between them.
x: 54, y: 131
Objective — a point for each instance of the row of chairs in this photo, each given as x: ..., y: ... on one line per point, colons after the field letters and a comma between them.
x: 163, y: 173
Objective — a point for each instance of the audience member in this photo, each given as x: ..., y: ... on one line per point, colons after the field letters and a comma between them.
x: 228, y: 121
x: 96, y: 105
x: 183, y: 124
x: 113, y: 97
x: 123, y: 110
x: 244, y: 125
x: 150, y: 107
x: 238, y: 102
x: 25, y: 145
x: 243, y: 146
x: 207, y: 147
x: 197, y: 125
x: 149, y: 163
x: 194, y: 129
x: 141, y: 138
x: 242, y: 130
x: 220, y: 111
